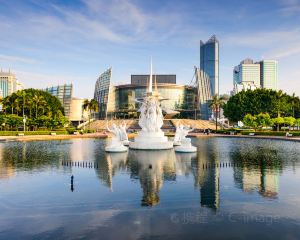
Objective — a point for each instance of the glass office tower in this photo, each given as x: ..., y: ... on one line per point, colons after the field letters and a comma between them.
x: 269, y: 74
x: 209, y: 62
x: 64, y: 94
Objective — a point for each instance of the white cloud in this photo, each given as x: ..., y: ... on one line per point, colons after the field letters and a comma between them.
x: 14, y: 59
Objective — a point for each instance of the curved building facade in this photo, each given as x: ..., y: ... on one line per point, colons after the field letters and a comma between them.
x: 179, y: 98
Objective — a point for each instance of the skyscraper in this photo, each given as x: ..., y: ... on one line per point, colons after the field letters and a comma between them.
x: 268, y: 74
x: 209, y: 62
x: 104, y: 94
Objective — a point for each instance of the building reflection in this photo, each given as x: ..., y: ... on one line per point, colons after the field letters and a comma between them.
x: 109, y: 164
x: 152, y: 168
x: 206, y: 177
x: 258, y: 171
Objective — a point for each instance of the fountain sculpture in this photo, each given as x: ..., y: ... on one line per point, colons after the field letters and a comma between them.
x: 151, y: 137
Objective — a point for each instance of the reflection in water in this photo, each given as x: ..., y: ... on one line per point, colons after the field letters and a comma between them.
x: 207, y: 178
x: 152, y: 168
x: 259, y: 170
x: 112, y: 163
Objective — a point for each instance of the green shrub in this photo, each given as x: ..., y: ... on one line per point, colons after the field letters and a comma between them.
x: 270, y: 133
x: 28, y: 133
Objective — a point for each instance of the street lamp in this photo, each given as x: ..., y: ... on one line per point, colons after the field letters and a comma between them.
x: 24, y: 122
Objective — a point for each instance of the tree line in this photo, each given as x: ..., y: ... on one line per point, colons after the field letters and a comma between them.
x: 39, y: 108
x: 276, y: 104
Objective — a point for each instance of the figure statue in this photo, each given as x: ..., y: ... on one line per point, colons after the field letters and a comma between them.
x: 177, y: 137
x: 184, y: 130
x: 185, y: 143
x: 151, y: 118
x: 116, y: 144
x: 123, y: 133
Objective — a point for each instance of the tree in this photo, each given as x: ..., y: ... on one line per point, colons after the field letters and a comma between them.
x: 297, y: 123
x: 263, y: 120
x: 14, y: 121
x: 261, y: 101
x: 278, y: 122
x: 250, y: 121
x: 289, y: 121
x: 216, y: 104
x: 90, y: 106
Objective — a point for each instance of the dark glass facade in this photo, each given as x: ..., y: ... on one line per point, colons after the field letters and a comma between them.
x: 209, y: 62
x: 64, y: 94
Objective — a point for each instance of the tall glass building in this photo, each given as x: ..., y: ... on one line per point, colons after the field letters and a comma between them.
x: 209, y: 62
x: 269, y: 74
x: 64, y: 94
x: 104, y: 94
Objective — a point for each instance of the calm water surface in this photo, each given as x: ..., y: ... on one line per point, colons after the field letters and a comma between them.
x: 230, y: 189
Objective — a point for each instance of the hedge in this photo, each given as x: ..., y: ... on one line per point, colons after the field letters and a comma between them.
x: 15, y: 133
x: 270, y: 133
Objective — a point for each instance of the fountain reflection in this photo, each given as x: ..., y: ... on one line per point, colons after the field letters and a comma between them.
x: 152, y: 168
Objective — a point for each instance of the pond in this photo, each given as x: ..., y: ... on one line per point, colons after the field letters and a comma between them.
x: 232, y: 188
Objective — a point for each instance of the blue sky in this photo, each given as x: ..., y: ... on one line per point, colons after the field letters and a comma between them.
x: 47, y: 42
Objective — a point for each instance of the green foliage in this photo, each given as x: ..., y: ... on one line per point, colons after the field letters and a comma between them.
x: 15, y: 133
x: 277, y: 122
x: 270, y: 133
x: 275, y: 103
x: 250, y: 121
x: 289, y: 121
x: 263, y: 120
x: 42, y: 110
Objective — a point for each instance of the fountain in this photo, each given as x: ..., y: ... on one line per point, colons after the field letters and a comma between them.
x: 151, y: 137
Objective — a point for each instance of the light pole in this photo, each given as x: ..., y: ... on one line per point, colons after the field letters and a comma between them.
x: 24, y: 122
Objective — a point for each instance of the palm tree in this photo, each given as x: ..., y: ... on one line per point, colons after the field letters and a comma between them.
x: 38, y: 100
x: 216, y: 104
x: 90, y: 106
x: 293, y: 101
x: 279, y: 96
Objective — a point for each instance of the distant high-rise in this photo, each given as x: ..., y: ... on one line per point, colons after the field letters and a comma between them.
x: 269, y: 74
x: 64, y: 94
x: 246, y: 75
x: 104, y: 94
x: 250, y: 75
x: 8, y: 83
x: 209, y: 62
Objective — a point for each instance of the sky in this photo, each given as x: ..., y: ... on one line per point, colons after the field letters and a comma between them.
x: 50, y: 42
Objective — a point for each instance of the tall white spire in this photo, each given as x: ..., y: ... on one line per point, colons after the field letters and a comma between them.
x: 150, y: 79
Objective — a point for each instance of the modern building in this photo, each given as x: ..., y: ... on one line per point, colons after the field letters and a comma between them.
x: 251, y: 75
x: 104, y: 94
x: 209, y: 62
x: 120, y: 101
x: 269, y: 74
x: 203, y: 94
x: 64, y: 94
x: 8, y: 83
